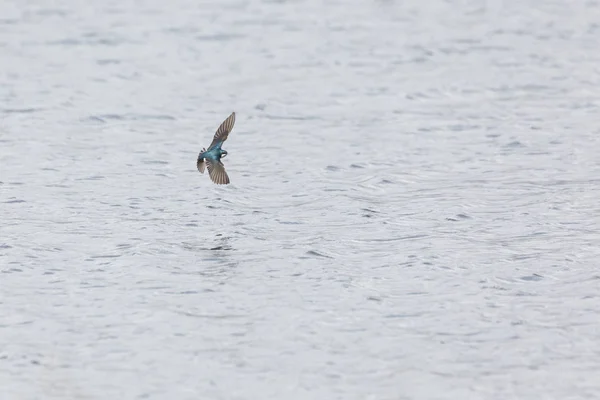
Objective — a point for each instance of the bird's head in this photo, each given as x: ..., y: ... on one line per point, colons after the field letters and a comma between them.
x: 223, y: 153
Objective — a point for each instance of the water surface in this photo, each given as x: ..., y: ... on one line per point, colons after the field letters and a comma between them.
x: 413, y: 211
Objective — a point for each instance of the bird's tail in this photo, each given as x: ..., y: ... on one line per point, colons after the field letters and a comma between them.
x: 200, y: 162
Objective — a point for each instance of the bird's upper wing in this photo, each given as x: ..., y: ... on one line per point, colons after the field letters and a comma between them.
x: 223, y: 131
x: 216, y: 171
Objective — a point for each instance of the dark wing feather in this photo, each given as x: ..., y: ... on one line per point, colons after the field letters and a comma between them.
x: 217, y: 173
x: 223, y: 131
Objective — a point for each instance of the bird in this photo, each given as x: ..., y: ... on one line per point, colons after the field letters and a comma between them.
x: 211, y: 158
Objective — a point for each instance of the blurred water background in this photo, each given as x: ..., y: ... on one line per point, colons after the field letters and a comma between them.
x: 413, y: 211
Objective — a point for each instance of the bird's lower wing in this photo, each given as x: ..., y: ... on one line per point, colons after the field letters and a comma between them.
x: 217, y: 173
x: 201, y: 165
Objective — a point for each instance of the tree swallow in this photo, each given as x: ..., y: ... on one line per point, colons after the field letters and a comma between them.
x: 211, y: 158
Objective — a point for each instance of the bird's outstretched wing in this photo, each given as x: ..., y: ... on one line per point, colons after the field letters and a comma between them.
x: 216, y: 170
x: 223, y: 131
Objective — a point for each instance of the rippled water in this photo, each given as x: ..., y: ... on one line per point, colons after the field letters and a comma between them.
x: 413, y: 211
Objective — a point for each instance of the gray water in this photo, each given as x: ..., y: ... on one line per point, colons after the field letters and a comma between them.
x: 413, y: 212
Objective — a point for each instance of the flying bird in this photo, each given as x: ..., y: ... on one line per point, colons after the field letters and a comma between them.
x: 211, y: 158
